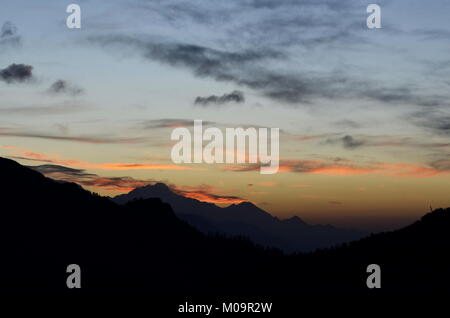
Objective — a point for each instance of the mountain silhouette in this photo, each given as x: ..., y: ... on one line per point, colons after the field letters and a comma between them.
x: 245, y: 219
x: 139, y: 246
x: 142, y: 248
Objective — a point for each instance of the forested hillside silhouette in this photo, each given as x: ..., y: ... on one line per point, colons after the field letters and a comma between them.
x: 143, y: 248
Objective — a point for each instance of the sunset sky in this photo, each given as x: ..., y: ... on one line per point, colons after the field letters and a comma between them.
x: 363, y: 113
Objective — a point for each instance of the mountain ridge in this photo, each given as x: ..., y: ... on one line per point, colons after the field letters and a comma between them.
x: 143, y: 248
x: 245, y: 219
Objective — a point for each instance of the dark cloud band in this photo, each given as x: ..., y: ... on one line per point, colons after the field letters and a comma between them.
x: 233, y: 97
x: 16, y: 73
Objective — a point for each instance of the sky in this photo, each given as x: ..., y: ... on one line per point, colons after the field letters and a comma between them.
x: 363, y: 113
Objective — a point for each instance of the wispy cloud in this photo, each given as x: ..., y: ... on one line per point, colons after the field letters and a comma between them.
x: 83, y: 178
x: 442, y: 164
x: 436, y: 121
x: 254, y: 49
x: 26, y: 154
x: 9, y: 35
x: 82, y: 139
x: 169, y: 123
x: 8, y: 30
x: 345, y: 168
x: 43, y: 110
x: 233, y: 97
x: 64, y: 87
x: 202, y: 192
x: 360, y: 141
x: 347, y: 123
x: 275, y: 23
x: 205, y: 193
x: 251, y: 69
x: 307, y: 166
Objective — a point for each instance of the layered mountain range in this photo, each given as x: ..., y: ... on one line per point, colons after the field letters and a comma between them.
x: 245, y: 219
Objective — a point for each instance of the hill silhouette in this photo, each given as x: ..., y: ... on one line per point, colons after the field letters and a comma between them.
x: 245, y: 219
x: 142, y: 247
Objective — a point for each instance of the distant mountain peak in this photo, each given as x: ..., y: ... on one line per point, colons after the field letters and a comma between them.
x: 161, y: 186
x: 246, y: 204
x: 249, y: 209
x: 157, y: 190
x: 243, y: 219
x: 295, y: 220
x: 156, y: 187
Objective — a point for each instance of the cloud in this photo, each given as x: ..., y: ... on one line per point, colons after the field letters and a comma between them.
x: 301, y: 186
x: 238, y: 67
x: 435, y: 121
x: 83, y: 178
x: 8, y: 30
x: 432, y: 34
x: 411, y: 170
x: 233, y: 97
x: 138, y: 166
x: 204, y: 193
x: 16, y: 73
x: 82, y: 139
x: 9, y: 35
x: 64, y: 87
x: 127, y: 184
x: 351, y: 142
x: 203, y: 61
x: 443, y: 164
x: 121, y: 184
x: 26, y: 154
x: 61, y: 170
x: 39, y: 110
x: 342, y: 167
x: 213, y: 198
x: 347, y: 142
x: 347, y: 123
x: 304, y: 138
x: 274, y: 23
x: 309, y: 166
x: 254, y: 69
x: 170, y: 123
x: 268, y: 183
x: 254, y: 48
